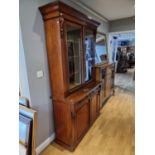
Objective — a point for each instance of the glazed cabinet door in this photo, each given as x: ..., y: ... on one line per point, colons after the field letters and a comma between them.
x: 74, y: 47
x: 89, y: 54
x: 83, y: 118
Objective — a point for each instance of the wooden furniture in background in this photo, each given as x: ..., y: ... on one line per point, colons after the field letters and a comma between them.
x: 70, y: 40
x: 105, y: 72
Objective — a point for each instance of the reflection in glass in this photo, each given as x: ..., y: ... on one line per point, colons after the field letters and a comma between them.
x: 101, y: 49
x: 73, y: 44
x: 89, y: 46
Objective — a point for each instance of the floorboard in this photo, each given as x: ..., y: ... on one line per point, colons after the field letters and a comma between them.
x: 125, y: 80
x: 111, y: 134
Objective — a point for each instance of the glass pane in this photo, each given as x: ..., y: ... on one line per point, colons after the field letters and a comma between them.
x: 89, y: 46
x: 73, y: 43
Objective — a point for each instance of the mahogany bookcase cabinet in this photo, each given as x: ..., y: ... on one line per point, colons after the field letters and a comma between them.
x: 70, y: 41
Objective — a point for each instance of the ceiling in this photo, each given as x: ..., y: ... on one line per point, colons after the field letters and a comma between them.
x: 111, y: 9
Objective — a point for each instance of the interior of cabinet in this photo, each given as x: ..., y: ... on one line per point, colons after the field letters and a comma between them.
x: 74, y: 55
x: 80, y: 54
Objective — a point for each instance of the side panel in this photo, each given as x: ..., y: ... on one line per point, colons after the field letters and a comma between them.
x: 93, y: 108
x: 54, y: 49
x: 108, y: 81
x: 63, y: 123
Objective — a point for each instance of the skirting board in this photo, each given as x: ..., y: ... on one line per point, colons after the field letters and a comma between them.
x: 43, y: 145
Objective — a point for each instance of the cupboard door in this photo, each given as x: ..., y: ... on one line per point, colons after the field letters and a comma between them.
x: 83, y: 119
x: 95, y: 106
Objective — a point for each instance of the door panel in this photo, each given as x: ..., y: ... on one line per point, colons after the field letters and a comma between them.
x: 95, y: 106
x: 73, y: 34
x: 83, y: 119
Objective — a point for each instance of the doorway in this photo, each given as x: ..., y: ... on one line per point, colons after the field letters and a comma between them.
x: 122, y: 52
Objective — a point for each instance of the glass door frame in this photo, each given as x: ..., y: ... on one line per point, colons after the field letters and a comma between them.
x: 68, y: 23
x: 84, y: 55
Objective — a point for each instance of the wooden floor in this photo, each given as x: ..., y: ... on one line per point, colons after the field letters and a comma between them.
x: 111, y: 134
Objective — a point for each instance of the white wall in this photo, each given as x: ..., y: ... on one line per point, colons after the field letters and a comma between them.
x: 23, y: 85
x: 103, y: 27
x: 36, y: 59
x: 125, y: 24
x: 35, y: 56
